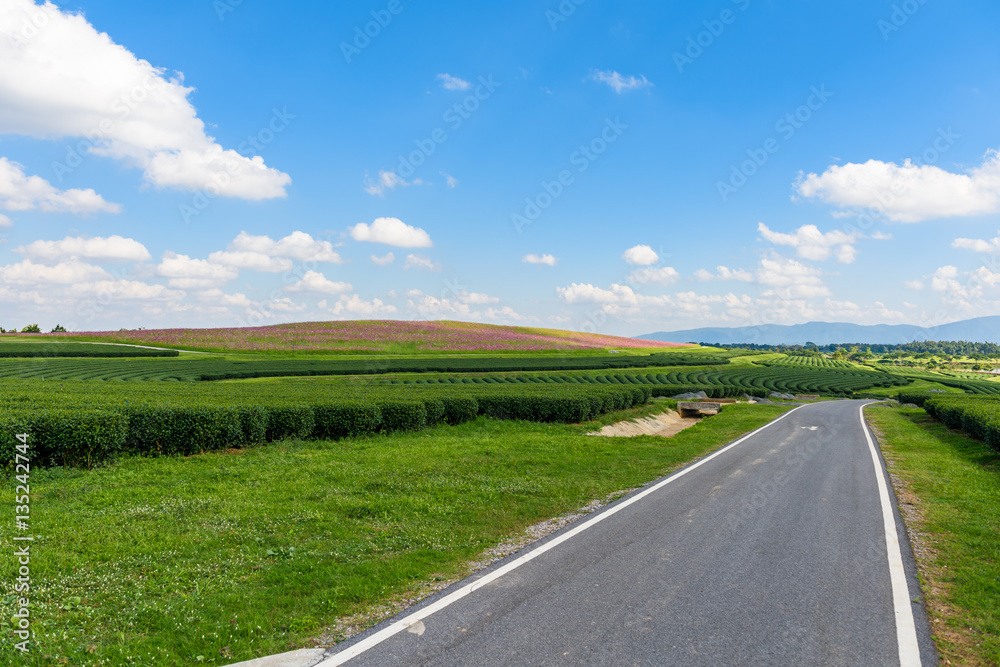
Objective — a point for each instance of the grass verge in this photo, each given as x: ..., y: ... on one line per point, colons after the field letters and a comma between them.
x: 223, y: 557
x: 949, y: 487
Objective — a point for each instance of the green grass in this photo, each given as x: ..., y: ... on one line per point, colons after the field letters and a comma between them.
x: 957, y: 482
x: 234, y: 556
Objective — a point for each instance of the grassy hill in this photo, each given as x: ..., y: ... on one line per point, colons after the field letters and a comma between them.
x: 369, y: 337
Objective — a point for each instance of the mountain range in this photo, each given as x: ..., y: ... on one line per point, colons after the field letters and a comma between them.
x: 978, y: 330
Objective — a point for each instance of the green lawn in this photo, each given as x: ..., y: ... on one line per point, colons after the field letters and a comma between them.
x: 957, y: 482
x: 224, y: 557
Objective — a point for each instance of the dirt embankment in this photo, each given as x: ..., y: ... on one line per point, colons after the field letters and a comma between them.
x: 665, y: 425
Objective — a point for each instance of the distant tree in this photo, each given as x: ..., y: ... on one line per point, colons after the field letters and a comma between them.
x: 977, y: 367
x: 31, y: 328
x: 58, y: 329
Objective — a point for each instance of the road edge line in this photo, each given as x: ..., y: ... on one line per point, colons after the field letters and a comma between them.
x: 906, y: 629
x: 405, y: 622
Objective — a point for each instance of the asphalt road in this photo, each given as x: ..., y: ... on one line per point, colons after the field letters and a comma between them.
x: 774, y: 552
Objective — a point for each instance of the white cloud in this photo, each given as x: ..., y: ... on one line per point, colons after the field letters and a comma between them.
x: 477, y: 298
x: 19, y: 192
x: 725, y: 273
x: 703, y: 276
x: 69, y: 272
x: 262, y: 253
x: 810, y: 243
x: 508, y: 314
x: 621, y: 83
x: 217, y: 297
x: 314, y: 281
x: 666, y: 275
x: 427, y: 306
x: 391, y: 231
x: 640, y: 255
x: 450, y: 180
x: 587, y: 293
x: 253, y: 261
x: 449, y: 82
x: 187, y: 273
x: 882, y: 236
x: 914, y: 284
x: 978, y: 245
x: 110, y: 249
x: 791, y: 279
x: 354, y: 305
x: 944, y: 280
x: 69, y: 80
x: 384, y: 260
x: 387, y: 180
x: 5, y: 221
x: 908, y: 192
x: 547, y: 260
x: 421, y: 262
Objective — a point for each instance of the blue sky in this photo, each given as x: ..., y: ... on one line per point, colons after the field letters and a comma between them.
x: 613, y: 167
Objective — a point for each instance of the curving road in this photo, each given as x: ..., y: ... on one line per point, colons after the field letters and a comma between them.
x: 773, y: 551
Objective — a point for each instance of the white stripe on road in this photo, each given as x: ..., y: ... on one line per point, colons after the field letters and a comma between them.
x: 906, y: 631
x: 417, y: 616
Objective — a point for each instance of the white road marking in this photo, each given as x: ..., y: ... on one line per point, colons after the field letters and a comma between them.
x: 408, y: 621
x: 906, y: 631
x: 811, y: 428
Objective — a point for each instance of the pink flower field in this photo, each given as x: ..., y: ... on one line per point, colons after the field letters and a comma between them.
x: 367, y: 336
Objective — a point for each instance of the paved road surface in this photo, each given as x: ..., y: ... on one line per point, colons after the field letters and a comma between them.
x: 774, y: 552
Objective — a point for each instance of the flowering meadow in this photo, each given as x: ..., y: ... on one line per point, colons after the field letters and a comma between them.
x: 368, y: 336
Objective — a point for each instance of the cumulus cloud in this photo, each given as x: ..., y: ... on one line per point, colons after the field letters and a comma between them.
x: 70, y: 80
x: 978, y: 245
x: 620, y: 83
x: 69, y: 272
x: 187, y: 273
x: 882, y: 236
x: 587, y: 293
x: 791, y: 279
x: 314, y: 281
x: 477, y: 298
x: 547, y: 260
x: 810, y: 243
x: 20, y: 192
x: 391, y: 231
x: 421, y: 262
x: 262, y: 253
x: 387, y: 181
x: 449, y: 82
x: 217, y: 297
x: 508, y: 314
x: 110, y: 249
x: 355, y: 306
x: 640, y: 255
x: 661, y: 276
x: 908, y: 192
x: 5, y: 221
x: 384, y: 260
